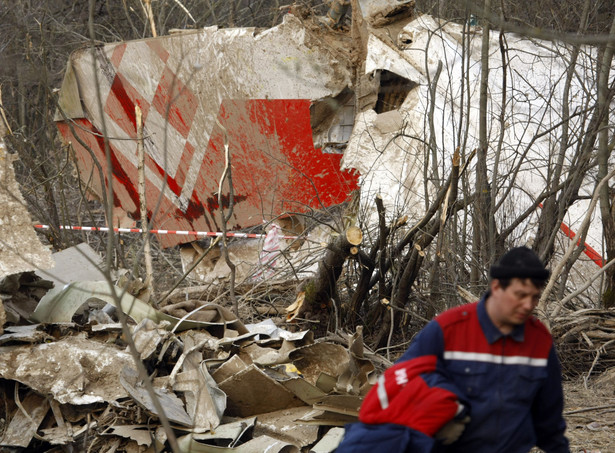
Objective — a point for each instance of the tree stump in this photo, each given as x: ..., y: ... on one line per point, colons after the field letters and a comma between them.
x: 314, y: 295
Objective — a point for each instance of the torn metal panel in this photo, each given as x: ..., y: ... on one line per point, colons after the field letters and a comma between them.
x: 358, y: 378
x: 232, y: 366
x: 263, y: 443
x: 271, y: 356
x: 283, y: 425
x: 77, y: 263
x: 382, y: 56
x: 20, y: 248
x: 326, y: 382
x: 24, y: 334
x: 244, y: 401
x: 196, y: 344
x: 326, y: 418
x: 329, y: 442
x: 173, y: 406
x: 60, y: 304
x: 73, y: 370
x: 305, y: 391
x: 23, y: 426
x: 228, y: 434
x: 205, y: 402
x: 314, y: 359
x: 340, y: 404
x: 147, y: 336
x: 332, y: 120
x: 388, y: 167
x: 69, y: 97
x: 194, y: 91
x: 142, y: 435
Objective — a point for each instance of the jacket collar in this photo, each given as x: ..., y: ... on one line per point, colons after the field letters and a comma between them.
x: 492, y: 333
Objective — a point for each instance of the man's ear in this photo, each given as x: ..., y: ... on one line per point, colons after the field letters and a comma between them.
x: 494, y: 285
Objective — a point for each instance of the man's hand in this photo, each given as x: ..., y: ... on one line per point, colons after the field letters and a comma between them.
x: 450, y: 432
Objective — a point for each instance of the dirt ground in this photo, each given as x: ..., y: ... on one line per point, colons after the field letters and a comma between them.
x: 590, y: 415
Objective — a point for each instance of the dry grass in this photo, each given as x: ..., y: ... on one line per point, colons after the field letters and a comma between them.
x: 590, y: 415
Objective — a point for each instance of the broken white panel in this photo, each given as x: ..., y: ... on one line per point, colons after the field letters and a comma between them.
x: 77, y: 263
x: 170, y: 403
x: 389, y: 166
x: 228, y: 433
x: 381, y: 56
x: 534, y: 94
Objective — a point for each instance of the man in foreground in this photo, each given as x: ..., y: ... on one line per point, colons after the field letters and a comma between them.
x: 490, y: 379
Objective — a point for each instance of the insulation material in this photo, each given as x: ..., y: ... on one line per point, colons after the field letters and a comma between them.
x: 73, y: 370
x: 269, y: 253
x: 20, y: 248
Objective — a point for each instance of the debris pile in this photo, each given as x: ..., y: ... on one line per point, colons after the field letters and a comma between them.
x: 72, y: 378
x: 585, y: 341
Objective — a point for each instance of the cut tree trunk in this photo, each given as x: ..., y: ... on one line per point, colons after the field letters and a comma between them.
x: 315, y: 294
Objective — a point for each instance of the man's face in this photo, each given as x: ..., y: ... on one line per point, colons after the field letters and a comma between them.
x: 512, y: 306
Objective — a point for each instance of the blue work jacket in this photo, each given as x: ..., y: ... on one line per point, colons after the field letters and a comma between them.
x: 512, y: 383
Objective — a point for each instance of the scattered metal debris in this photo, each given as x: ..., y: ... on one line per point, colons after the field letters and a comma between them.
x: 223, y: 385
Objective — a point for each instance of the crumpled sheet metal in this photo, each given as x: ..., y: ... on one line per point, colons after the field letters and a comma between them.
x: 317, y: 358
x: 416, y: 52
x: 228, y: 434
x: 258, y: 444
x: 360, y: 375
x: 23, y: 427
x: 73, y: 370
x: 251, y: 391
x: 173, y: 406
x: 60, y: 304
x: 263, y: 371
x: 329, y: 442
x: 283, y: 425
x: 205, y: 402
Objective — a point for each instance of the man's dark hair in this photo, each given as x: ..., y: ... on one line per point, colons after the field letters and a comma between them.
x: 520, y: 262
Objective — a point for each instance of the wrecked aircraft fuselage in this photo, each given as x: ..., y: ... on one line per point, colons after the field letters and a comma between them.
x: 201, y: 93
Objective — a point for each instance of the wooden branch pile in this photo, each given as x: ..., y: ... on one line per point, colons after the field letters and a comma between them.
x: 585, y: 341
